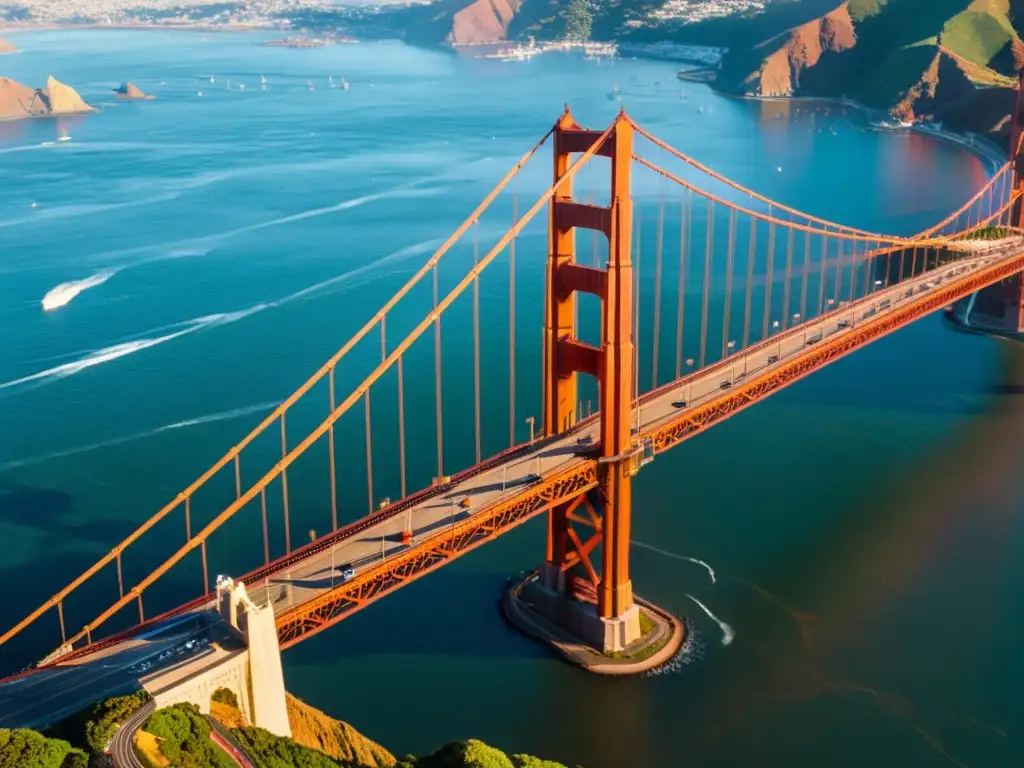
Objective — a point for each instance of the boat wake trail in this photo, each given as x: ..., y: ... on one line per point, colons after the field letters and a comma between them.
x: 61, y: 294
x: 115, y: 351
x: 710, y: 570
x: 234, y: 413
x: 727, y: 632
x: 177, y: 330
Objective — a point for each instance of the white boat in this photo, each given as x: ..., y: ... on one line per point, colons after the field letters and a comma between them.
x: 310, y: 84
x: 263, y: 82
x: 344, y: 84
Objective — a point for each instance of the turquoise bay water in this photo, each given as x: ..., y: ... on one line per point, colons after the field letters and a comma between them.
x: 864, y: 526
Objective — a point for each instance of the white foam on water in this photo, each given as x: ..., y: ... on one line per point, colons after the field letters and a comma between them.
x: 130, y: 347
x: 116, y: 351
x: 727, y: 632
x: 234, y: 413
x: 61, y: 295
x: 710, y: 570
x: 67, y: 211
x: 692, y: 650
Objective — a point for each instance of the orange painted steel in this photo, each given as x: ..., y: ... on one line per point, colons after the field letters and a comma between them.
x: 342, y: 408
x: 808, y: 217
x: 892, y: 240
x: 185, y: 495
x: 739, y: 188
x: 614, y: 371
x: 320, y: 612
x: 690, y: 423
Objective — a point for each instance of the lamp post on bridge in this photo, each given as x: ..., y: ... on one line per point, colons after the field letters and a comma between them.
x: 689, y: 387
x: 530, y: 420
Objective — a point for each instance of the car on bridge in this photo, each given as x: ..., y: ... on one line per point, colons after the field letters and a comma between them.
x: 347, y: 573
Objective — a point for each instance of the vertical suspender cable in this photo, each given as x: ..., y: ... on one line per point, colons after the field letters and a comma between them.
x: 657, y: 286
x: 788, y: 279
x: 266, y: 533
x: 369, y: 455
x: 330, y: 456
x: 728, y: 282
x: 684, y: 225
x: 512, y: 324
x: 437, y: 382
x: 751, y: 257
x: 709, y: 238
x: 823, y: 272
x: 476, y: 340
x: 805, y: 274
x: 769, y: 275
x: 284, y: 487
x: 401, y: 426
x: 839, y: 273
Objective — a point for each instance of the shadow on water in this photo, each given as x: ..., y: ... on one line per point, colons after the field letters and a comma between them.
x: 420, y: 621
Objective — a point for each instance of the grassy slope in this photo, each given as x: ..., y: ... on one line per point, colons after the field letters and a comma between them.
x: 981, y: 32
x: 312, y: 728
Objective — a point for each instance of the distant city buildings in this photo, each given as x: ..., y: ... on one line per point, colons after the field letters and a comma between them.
x: 689, y: 11
x: 170, y: 12
x: 264, y: 13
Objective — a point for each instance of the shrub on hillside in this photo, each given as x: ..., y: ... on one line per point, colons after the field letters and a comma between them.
x: 225, y: 696
x: 103, y: 718
x: 474, y: 754
x: 185, y: 738
x: 23, y: 748
x: 269, y: 751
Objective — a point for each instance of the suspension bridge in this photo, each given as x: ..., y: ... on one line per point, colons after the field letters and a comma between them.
x: 757, y: 296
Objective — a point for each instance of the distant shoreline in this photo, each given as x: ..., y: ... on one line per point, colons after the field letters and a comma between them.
x: 9, y: 28
x: 979, y: 145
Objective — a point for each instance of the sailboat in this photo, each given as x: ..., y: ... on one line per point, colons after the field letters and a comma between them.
x: 344, y: 84
x: 263, y: 82
x: 615, y: 95
x: 310, y: 84
x: 330, y: 80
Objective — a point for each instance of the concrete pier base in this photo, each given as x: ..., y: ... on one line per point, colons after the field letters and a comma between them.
x: 644, y: 638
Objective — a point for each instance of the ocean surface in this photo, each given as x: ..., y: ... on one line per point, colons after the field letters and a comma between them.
x: 848, y: 554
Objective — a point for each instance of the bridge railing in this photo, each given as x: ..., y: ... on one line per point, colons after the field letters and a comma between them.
x: 746, y: 272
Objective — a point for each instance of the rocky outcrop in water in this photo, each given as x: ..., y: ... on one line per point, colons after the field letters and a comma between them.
x: 18, y: 101
x: 6, y: 47
x: 131, y: 91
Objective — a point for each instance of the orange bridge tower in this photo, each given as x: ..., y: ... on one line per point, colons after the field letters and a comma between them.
x: 584, y: 584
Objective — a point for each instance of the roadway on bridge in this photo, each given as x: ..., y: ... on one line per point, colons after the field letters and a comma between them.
x: 370, y: 547
x: 60, y: 689
x: 165, y: 654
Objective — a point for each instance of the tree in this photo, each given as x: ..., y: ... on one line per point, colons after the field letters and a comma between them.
x: 578, y: 21
x: 23, y: 748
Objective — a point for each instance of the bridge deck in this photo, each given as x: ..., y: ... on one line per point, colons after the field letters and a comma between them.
x: 372, y: 547
x: 375, y: 545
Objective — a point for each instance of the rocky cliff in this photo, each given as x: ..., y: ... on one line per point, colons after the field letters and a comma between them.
x: 483, y: 21
x: 782, y: 59
x: 18, y: 101
x: 950, y: 60
x: 6, y: 47
x: 63, y: 99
